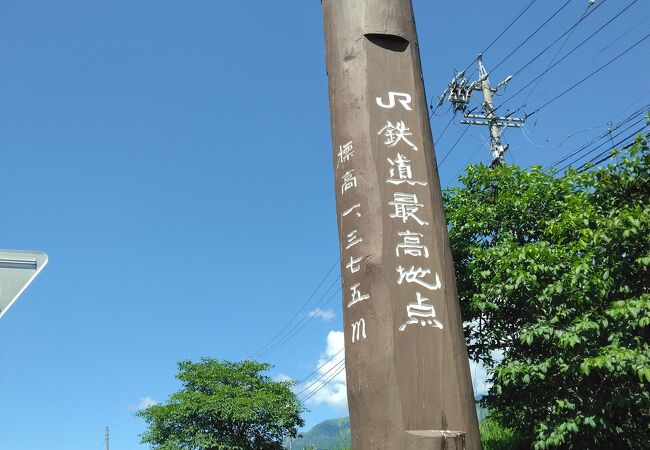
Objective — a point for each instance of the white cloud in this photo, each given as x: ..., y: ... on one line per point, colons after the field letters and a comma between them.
x: 327, y: 386
x: 334, y: 392
x: 325, y: 314
x: 282, y: 377
x: 480, y: 382
x: 145, y: 402
x: 480, y: 385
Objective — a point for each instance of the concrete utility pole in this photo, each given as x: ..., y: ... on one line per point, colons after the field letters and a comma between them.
x: 459, y: 93
x: 107, y: 438
x: 408, y: 377
x: 495, y: 136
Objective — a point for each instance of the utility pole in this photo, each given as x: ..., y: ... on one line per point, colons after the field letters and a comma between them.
x: 459, y: 92
x: 107, y: 438
x: 407, y: 369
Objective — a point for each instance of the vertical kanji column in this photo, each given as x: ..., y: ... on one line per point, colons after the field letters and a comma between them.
x: 407, y: 368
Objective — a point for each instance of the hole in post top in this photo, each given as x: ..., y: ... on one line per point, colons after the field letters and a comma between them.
x: 390, y: 42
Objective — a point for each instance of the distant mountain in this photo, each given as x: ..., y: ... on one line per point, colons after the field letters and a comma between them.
x: 330, y: 434
x: 481, y: 413
x: 334, y: 434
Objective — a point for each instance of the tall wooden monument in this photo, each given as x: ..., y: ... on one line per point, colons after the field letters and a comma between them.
x: 408, y: 375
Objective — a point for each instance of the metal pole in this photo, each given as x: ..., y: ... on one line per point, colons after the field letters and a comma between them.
x: 107, y: 438
x: 407, y: 369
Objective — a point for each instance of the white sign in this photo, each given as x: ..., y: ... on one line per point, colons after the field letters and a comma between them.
x: 17, y: 270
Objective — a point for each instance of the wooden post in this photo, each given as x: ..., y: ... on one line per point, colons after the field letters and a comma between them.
x: 408, y: 376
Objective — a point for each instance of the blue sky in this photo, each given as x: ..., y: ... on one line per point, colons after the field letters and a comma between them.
x: 173, y: 160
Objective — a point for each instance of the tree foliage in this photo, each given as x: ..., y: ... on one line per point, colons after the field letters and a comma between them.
x: 495, y: 437
x: 554, y: 284
x: 224, y: 406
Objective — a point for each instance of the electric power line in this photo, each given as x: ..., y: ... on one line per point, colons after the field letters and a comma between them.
x: 549, y: 46
x: 506, y: 28
x: 565, y: 137
x: 301, y: 324
x: 433, y: 112
x: 334, y: 367
x: 573, y: 86
x: 578, y: 158
x: 599, y: 52
x: 604, y: 135
x: 594, y: 161
x: 637, y: 100
x: 443, y: 130
x: 304, y: 339
x: 570, y: 135
x: 554, y: 64
x: 466, y: 164
x: 590, y: 143
x: 328, y: 381
x: 321, y: 366
x: 532, y: 34
x: 452, y: 147
x: 503, y: 32
x: 559, y: 50
x: 299, y: 310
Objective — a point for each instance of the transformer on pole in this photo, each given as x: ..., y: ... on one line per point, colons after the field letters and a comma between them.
x: 407, y: 368
x: 459, y: 92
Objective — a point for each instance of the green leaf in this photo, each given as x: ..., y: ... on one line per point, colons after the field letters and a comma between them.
x: 554, y: 270
x: 235, y: 403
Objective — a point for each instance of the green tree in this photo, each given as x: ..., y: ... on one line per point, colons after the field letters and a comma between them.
x: 554, y: 285
x: 222, y: 406
x: 495, y: 437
